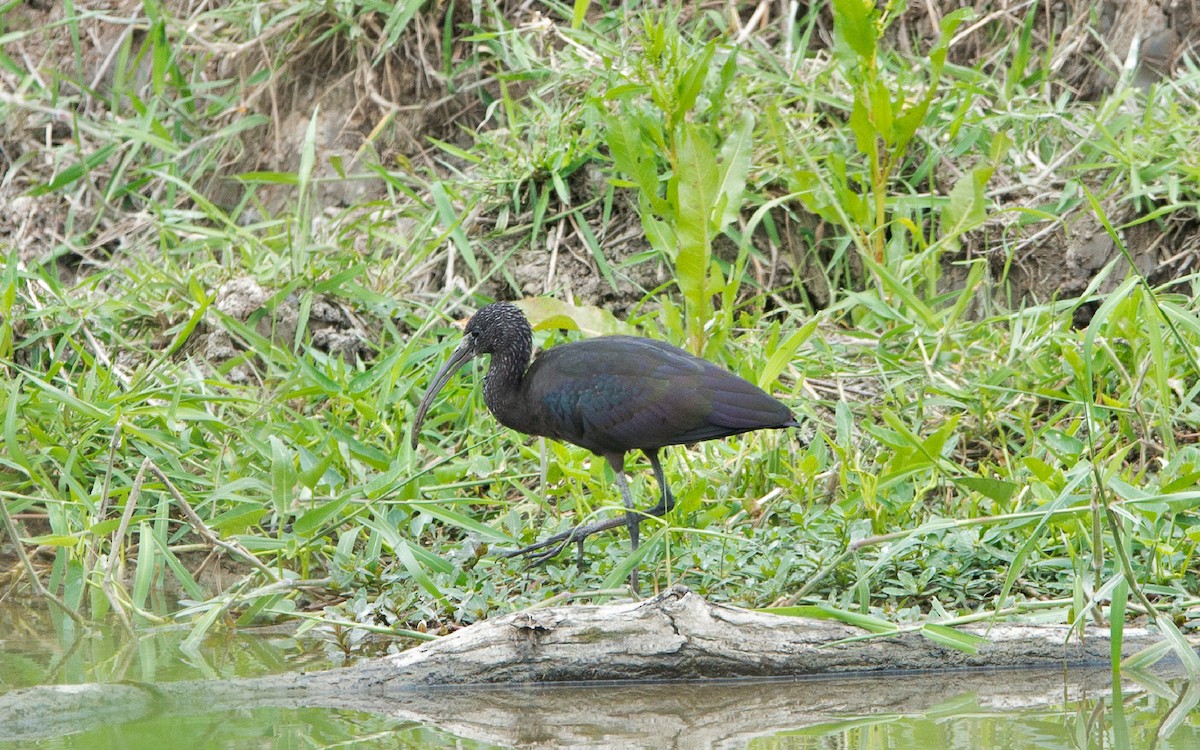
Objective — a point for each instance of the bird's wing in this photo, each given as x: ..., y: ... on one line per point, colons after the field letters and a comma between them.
x: 616, y: 393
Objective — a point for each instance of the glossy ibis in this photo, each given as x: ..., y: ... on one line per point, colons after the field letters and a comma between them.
x: 611, y: 395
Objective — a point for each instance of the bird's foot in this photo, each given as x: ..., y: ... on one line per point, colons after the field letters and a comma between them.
x: 543, y: 551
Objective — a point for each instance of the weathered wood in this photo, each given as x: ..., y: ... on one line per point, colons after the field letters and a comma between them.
x: 493, y: 680
x: 677, y: 635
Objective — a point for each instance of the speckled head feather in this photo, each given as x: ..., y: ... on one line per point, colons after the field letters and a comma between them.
x: 500, y: 325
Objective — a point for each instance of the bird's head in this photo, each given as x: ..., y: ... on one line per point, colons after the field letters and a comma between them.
x: 499, y: 328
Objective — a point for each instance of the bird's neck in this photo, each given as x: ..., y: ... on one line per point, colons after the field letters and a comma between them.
x: 502, y: 387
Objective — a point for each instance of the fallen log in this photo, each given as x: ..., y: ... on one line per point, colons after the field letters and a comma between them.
x: 678, y: 635
x: 498, y: 679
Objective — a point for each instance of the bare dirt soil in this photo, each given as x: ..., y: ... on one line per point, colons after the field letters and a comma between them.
x: 382, y: 110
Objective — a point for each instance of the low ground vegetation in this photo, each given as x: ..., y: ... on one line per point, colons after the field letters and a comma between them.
x: 238, y: 236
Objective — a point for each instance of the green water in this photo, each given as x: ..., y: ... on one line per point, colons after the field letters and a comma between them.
x: 304, y: 728
x: 1000, y: 711
x: 1084, y: 724
x: 1071, y: 725
x: 37, y: 648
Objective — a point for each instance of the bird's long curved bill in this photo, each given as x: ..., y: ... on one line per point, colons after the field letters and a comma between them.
x: 460, y: 357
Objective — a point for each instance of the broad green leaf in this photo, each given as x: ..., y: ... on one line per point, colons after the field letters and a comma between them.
x: 191, y: 644
x: 660, y: 234
x: 55, y: 540
x: 313, y: 520
x: 784, y: 353
x: 882, y: 116
x: 160, y: 56
x: 109, y: 525
x: 1064, y: 445
x: 966, y: 208
x: 404, y: 553
x: 691, y: 83
x: 238, y: 519
x: 455, y: 151
x: 951, y: 638
x: 1042, y: 470
x: 1180, y: 645
x: 633, y: 156
x: 243, y: 488
x: 548, y: 312
x: 579, y: 13
x: 697, y: 188
x: 147, y: 568
x: 854, y: 26
x: 283, y: 476
x: 844, y: 419
x: 996, y: 489
x: 863, y: 128
x: 182, y: 574
x: 901, y: 289
x: 1120, y: 596
x: 825, y: 612
x: 66, y: 399
x: 650, y: 548
x: 736, y: 153
x: 1147, y: 657
x: 391, y: 535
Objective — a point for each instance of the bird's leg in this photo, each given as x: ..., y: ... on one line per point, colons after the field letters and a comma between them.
x: 667, y: 501
x: 632, y: 520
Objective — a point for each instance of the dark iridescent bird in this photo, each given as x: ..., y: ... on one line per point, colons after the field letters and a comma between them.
x: 611, y: 395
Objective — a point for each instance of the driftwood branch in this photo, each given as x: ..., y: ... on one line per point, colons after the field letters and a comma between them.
x: 501, y: 679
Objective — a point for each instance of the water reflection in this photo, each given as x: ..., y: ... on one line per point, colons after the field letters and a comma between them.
x: 154, y: 696
x: 1141, y: 718
x: 38, y: 647
x: 996, y: 710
